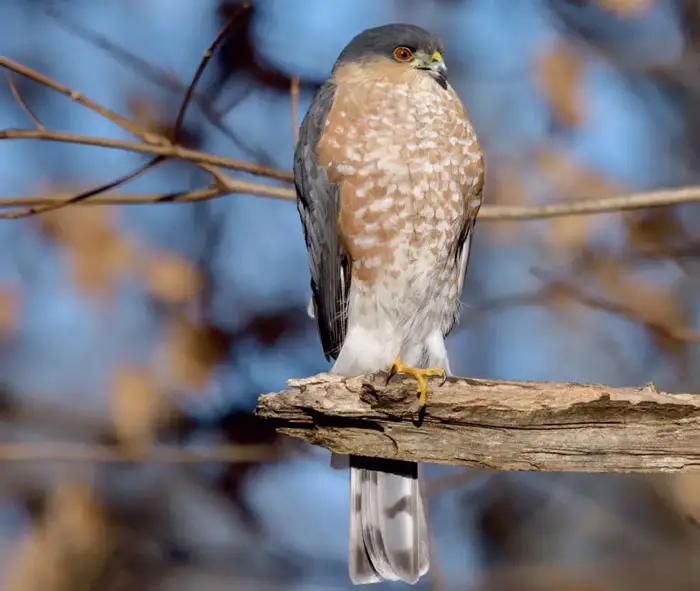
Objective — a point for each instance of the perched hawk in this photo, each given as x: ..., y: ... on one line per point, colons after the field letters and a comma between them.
x: 389, y: 177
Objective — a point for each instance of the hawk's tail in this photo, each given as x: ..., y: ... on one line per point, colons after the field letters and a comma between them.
x: 388, y: 530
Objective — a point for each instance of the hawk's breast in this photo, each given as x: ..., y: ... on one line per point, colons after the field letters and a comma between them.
x: 405, y: 156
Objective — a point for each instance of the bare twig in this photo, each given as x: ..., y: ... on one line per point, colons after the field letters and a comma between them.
x: 44, y: 208
x: 79, y: 198
x: 22, y: 103
x: 554, y: 288
x: 162, y: 147
x: 660, y: 198
x: 152, y: 73
x: 680, y: 333
x: 150, y: 138
x: 80, y: 452
x: 497, y: 425
x: 487, y: 213
x: 221, y: 179
x: 294, y: 99
x: 119, y: 199
x: 200, y: 69
x: 169, y: 150
x: 439, y: 484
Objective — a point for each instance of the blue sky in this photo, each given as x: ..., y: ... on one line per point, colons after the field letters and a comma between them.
x: 66, y: 347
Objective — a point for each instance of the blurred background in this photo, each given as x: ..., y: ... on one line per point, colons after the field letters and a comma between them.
x: 162, y: 323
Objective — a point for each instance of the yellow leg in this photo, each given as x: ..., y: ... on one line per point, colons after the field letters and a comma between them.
x: 419, y: 374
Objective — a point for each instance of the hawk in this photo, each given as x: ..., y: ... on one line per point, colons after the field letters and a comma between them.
x: 389, y: 177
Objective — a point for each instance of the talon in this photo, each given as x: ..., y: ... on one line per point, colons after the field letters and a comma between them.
x: 393, y: 370
x: 422, y: 390
x: 419, y: 374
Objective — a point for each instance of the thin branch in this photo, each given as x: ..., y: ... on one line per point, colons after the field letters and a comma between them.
x: 119, y: 199
x: 81, y: 452
x: 496, y: 425
x: 202, y: 66
x: 294, y: 99
x: 44, y: 208
x: 152, y: 73
x: 221, y: 178
x: 476, y: 311
x: 81, y: 197
x: 681, y: 252
x: 29, y: 211
x: 22, y: 103
x: 493, y: 213
x: 438, y: 484
x: 161, y: 146
x: 679, y: 333
x: 150, y: 138
x: 661, y: 198
x: 169, y: 150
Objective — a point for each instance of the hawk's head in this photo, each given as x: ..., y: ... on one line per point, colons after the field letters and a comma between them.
x: 407, y: 46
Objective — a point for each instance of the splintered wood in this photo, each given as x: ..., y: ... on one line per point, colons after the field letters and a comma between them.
x: 498, y: 425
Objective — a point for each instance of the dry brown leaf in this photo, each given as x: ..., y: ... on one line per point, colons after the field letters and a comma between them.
x: 560, y: 302
x: 10, y: 303
x: 685, y: 491
x: 656, y: 306
x: 558, y: 75
x: 99, y: 253
x: 191, y: 351
x: 626, y: 8
x: 137, y: 406
x: 68, y: 548
x: 571, y: 233
x: 654, y: 303
x: 655, y: 229
x: 571, y: 181
x: 170, y: 278
x: 506, y: 188
x: 148, y: 114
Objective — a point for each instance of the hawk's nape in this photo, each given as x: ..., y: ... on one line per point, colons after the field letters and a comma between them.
x: 389, y: 177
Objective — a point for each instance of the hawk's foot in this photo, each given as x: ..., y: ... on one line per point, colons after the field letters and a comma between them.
x: 420, y: 375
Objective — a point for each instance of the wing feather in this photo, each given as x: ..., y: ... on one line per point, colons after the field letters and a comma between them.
x: 464, y: 243
x: 318, y: 205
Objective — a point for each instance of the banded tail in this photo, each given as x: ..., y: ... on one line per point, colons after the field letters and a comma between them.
x: 388, y: 529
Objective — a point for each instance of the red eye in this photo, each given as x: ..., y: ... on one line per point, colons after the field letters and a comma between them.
x: 403, y: 54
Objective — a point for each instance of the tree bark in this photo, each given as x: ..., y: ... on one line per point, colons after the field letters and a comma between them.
x: 491, y: 424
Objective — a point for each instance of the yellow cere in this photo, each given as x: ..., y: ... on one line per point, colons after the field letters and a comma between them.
x: 436, y: 57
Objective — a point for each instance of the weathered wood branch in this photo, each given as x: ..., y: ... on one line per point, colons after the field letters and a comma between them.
x: 494, y: 424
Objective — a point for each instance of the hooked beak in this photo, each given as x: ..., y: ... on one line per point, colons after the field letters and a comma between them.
x: 436, y: 67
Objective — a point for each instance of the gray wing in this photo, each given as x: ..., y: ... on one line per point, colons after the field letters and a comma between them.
x: 463, y: 251
x: 317, y: 202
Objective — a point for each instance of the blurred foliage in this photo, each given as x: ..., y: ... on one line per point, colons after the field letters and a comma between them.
x: 130, y: 525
